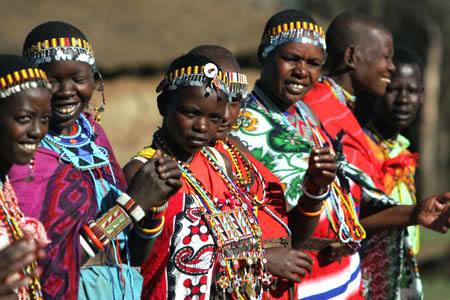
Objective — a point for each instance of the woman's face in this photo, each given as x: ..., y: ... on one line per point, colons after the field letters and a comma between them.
x: 24, y: 120
x: 72, y: 88
x: 290, y: 71
x: 229, y: 118
x: 191, y: 119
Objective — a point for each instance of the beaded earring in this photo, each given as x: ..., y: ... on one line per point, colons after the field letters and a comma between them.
x: 99, y: 86
x: 31, y: 165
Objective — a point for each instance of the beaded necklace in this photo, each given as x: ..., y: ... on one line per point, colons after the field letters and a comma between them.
x: 236, y: 231
x: 9, y: 216
x: 344, y: 221
x: 386, y: 146
x: 79, y: 148
x: 341, y: 94
x: 239, y: 161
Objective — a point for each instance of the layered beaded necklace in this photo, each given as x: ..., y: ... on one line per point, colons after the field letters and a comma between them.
x: 341, y: 94
x: 79, y: 148
x: 236, y: 232
x: 10, y: 214
x: 247, y: 176
x: 339, y: 207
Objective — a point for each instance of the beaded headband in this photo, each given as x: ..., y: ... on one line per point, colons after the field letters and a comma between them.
x: 237, y: 84
x: 208, y: 74
x: 297, y: 32
x: 60, y: 49
x: 21, y: 80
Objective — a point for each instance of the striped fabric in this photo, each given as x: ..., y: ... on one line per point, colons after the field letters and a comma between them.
x: 339, y: 280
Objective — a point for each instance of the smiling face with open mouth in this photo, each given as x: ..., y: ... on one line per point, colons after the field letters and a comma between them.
x: 24, y: 120
x: 72, y: 88
x: 290, y: 71
x: 373, y: 64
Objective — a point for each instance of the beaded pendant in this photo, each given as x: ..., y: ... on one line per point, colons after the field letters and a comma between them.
x: 79, y: 149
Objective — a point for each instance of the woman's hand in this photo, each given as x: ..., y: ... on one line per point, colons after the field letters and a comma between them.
x: 14, y: 258
x: 321, y: 167
x: 288, y: 263
x: 155, y: 182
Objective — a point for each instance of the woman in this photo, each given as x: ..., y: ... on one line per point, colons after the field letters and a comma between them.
x: 75, y: 177
x: 24, y: 118
x: 282, y: 133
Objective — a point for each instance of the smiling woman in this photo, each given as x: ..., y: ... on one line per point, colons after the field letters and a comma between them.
x: 76, y: 176
x: 24, y: 119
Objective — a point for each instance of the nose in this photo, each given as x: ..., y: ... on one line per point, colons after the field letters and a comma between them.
x: 391, y: 66
x: 37, y: 129
x: 300, y: 69
x: 227, y: 116
x: 403, y: 96
x: 65, y: 89
x: 201, y: 125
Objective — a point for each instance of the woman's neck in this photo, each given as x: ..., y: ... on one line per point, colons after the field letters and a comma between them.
x: 344, y: 81
x: 170, y: 147
x: 383, y: 129
x: 4, y: 171
x: 282, y: 106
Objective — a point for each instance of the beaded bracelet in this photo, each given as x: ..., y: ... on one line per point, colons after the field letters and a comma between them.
x: 148, y: 236
x: 99, y: 233
x: 131, y: 207
x: 311, y: 214
x: 114, y: 221
x: 158, y: 209
x: 94, y: 239
x: 152, y: 230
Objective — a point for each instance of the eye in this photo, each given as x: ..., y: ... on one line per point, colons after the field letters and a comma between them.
x: 216, y: 119
x: 80, y: 79
x: 314, y: 63
x: 191, y: 113
x: 23, y: 119
x: 290, y: 58
x: 45, y: 119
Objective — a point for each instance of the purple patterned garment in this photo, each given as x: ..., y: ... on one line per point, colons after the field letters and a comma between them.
x: 63, y: 199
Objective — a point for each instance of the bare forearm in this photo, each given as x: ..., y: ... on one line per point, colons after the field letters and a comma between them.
x: 303, y: 226
x: 139, y: 248
x: 395, y: 217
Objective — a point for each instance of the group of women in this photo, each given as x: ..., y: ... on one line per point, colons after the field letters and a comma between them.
x: 274, y: 193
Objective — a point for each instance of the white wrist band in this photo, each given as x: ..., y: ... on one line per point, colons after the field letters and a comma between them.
x: 86, y: 247
x: 316, y: 197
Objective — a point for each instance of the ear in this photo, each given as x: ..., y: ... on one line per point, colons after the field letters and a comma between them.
x: 349, y: 57
x: 260, y: 58
x: 162, y: 104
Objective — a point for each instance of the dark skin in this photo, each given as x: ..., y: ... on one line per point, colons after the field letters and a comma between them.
x: 396, y: 110
x: 287, y: 74
x: 190, y: 120
x: 24, y: 120
x: 72, y: 88
x: 15, y: 257
x: 365, y: 71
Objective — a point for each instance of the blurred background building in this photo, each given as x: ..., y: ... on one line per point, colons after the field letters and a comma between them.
x: 134, y: 41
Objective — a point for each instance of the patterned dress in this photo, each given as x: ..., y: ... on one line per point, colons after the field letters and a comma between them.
x: 283, y: 141
x: 389, y: 263
x: 75, y: 178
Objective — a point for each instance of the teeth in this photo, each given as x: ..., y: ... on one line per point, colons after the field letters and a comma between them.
x: 67, y: 109
x: 296, y: 87
x: 385, y: 79
x: 29, y: 147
